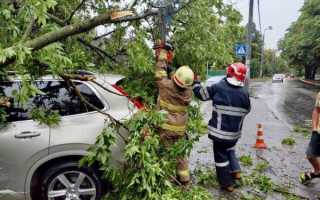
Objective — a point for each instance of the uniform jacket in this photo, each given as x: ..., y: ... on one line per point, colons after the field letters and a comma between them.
x: 172, y: 99
x: 230, y: 106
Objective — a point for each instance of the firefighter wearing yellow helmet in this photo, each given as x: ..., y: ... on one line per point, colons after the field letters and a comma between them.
x: 175, y: 94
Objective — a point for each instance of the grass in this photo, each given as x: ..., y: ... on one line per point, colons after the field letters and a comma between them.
x: 246, y: 160
x: 256, y: 181
x: 288, y: 141
x: 262, y: 166
x: 303, y: 130
x: 206, y: 177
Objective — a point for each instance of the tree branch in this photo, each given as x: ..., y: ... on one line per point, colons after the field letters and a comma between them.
x: 82, y: 41
x: 28, y: 30
x: 133, y: 4
x: 104, y: 35
x: 77, y: 28
x: 97, y: 49
x: 74, y: 12
x: 67, y: 79
x: 56, y: 19
x: 74, y: 29
x: 184, y: 6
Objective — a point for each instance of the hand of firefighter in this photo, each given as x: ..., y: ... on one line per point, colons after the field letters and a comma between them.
x: 162, y: 55
x: 164, y: 51
x: 5, y: 102
x: 197, y: 77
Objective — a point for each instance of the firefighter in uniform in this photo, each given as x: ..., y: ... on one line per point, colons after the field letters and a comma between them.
x: 231, y: 103
x: 175, y: 94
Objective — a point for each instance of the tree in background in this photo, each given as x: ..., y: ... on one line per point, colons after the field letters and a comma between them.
x: 205, y: 33
x: 300, y: 46
x: 273, y: 63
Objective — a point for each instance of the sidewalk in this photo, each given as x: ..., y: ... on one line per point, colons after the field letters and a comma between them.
x: 311, y: 82
x: 285, y: 162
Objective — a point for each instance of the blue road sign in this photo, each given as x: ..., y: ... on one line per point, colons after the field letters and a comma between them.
x: 241, y: 49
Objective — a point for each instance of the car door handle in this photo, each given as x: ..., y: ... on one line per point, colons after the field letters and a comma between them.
x: 27, y: 134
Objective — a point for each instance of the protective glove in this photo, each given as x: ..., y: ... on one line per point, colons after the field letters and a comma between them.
x: 162, y: 56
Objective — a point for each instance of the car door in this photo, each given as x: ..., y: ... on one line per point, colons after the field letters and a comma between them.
x: 80, y: 124
x: 22, y: 142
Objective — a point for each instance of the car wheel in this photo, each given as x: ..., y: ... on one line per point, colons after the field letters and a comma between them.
x: 68, y: 181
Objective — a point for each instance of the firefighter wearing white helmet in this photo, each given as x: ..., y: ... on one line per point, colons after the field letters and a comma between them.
x: 230, y: 105
x: 175, y: 94
x: 184, y: 77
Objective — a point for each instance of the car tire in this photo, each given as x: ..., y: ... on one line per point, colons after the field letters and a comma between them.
x: 68, y: 179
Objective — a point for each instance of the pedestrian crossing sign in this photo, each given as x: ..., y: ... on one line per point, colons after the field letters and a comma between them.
x: 241, y: 49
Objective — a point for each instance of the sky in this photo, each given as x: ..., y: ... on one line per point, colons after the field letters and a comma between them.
x: 276, y: 13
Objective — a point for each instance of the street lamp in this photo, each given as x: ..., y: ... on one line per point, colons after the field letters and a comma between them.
x: 262, y: 48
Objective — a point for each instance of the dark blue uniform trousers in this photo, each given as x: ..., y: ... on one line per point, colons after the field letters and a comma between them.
x: 225, y: 160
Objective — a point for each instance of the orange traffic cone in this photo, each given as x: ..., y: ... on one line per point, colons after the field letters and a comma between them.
x: 260, y: 141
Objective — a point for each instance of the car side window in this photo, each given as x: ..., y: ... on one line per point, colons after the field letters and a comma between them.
x: 57, y: 97
x: 14, y: 111
x: 19, y: 111
x: 64, y: 99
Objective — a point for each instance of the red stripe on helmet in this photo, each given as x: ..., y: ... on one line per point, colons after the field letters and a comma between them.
x: 177, y: 80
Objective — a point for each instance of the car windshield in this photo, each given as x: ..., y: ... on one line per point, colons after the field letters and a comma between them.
x: 278, y: 76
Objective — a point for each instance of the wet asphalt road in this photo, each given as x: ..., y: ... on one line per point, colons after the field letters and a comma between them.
x: 292, y: 100
x: 279, y: 107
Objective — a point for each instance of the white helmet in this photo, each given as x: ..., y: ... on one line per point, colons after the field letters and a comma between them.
x: 184, y: 77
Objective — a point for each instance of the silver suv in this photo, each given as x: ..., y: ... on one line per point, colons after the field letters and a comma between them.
x: 41, y: 163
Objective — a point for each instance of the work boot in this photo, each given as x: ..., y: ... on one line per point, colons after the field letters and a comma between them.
x: 236, y: 175
x: 237, y: 179
x: 228, y: 188
x: 186, y: 185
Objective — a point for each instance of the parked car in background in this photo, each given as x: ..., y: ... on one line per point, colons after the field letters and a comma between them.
x: 278, y: 78
x: 39, y: 162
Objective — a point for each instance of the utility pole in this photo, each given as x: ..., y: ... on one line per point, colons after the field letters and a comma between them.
x: 249, y: 39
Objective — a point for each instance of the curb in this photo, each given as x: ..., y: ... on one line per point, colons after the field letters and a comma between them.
x: 309, y: 82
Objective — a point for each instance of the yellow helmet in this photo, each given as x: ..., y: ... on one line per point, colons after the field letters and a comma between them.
x: 184, y: 76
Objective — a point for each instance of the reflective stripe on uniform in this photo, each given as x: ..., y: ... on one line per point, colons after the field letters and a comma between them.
x: 223, y: 134
x: 184, y: 173
x: 232, y: 148
x: 179, y: 129
x: 161, y: 74
x: 228, y: 112
x: 204, y: 93
x: 196, y: 85
x: 172, y: 107
x: 222, y: 164
x: 232, y: 109
x: 219, y: 120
